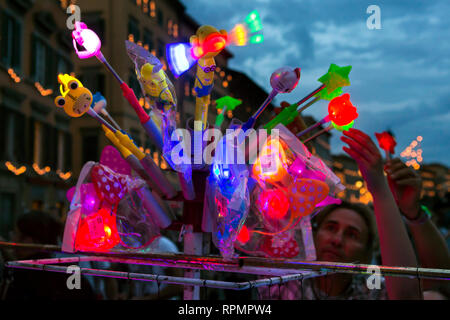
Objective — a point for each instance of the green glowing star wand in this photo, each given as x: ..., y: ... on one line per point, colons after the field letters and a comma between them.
x: 225, y: 103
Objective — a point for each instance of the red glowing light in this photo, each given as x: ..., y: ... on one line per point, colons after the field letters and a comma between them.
x: 98, y: 232
x: 244, y: 235
x: 386, y: 141
x: 341, y: 111
x: 273, y: 203
x: 213, y: 43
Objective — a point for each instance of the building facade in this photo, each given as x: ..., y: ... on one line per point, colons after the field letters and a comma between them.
x: 35, y: 138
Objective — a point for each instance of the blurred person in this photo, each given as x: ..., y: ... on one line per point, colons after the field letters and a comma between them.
x: 346, y: 233
x: 37, y: 227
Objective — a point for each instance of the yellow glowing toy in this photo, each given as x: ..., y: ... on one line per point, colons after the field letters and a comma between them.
x: 75, y: 99
x: 156, y: 86
x: 207, y: 43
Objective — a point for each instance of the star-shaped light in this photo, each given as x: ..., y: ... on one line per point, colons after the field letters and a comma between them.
x: 386, y: 141
x: 229, y: 102
x: 336, y: 77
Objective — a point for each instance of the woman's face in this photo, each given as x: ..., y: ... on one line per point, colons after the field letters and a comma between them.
x: 342, y: 237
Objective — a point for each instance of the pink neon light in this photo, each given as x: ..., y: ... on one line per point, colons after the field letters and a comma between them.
x: 88, y: 39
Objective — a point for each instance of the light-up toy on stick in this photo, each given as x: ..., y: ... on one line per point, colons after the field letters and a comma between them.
x: 229, y: 193
x: 145, y: 160
x: 92, y: 48
x: 386, y: 142
x: 283, y: 80
x: 332, y: 81
x: 341, y: 113
x: 76, y: 100
x: 160, y: 93
x: 207, y: 43
x: 223, y: 105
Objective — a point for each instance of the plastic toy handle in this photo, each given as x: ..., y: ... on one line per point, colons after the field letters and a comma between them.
x: 129, y: 144
x: 133, y: 101
x: 219, y: 119
x: 285, y: 117
x: 112, y: 137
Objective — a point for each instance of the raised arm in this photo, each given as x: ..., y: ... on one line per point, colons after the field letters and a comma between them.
x: 432, y: 251
x: 396, y: 248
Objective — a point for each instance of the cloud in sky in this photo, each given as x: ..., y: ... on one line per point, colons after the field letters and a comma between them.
x: 400, y: 73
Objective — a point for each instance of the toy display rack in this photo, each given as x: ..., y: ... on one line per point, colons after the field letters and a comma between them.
x: 276, y: 271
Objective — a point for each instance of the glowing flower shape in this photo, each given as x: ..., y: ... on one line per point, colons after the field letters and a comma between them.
x: 386, y: 141
x: 341, y: 111
x: 273, y: 203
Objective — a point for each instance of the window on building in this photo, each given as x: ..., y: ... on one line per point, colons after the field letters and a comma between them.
x: 60, y: 151
x: 133, y: 29
x: 161, y: 48
x: 37, y: 143
x: 89, y: 146
x: 14, y: 136
x: 96, y: 23
x: 42, y: 63
x: 11, y: 41
x: 160, y: 17
x: 63, y: 65
x: 148, y: 39
x: 94, y: 79
x: 7, y: 216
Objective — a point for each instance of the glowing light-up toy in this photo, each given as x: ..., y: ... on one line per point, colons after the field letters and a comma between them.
x: 76, y: 100
x: 332, y: 81
x: 283, y: 80
x: 182, y: 56
x: 92, y: 45
x: 341, y: 113
x: 387, y: 142
x: 159, y: 91
x: 225, y: 104
x: 207, y: 43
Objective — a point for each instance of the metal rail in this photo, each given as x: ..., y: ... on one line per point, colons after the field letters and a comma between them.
x: 252, y: 265
x: 43, y: 265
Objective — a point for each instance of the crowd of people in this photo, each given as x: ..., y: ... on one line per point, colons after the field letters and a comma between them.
x: 397, y: 231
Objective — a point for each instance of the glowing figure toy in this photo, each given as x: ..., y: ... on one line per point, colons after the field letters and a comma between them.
x: 207, y: 43
x: 75, y: 99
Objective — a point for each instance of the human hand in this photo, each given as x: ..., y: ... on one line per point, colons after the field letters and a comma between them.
x: 407, y: 186
x: 366, y: 154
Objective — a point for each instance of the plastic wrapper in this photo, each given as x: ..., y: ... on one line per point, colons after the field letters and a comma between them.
x: 107, y: 213
x: 228, y: 199
x: 159, y: 91
x: 292, y: 185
